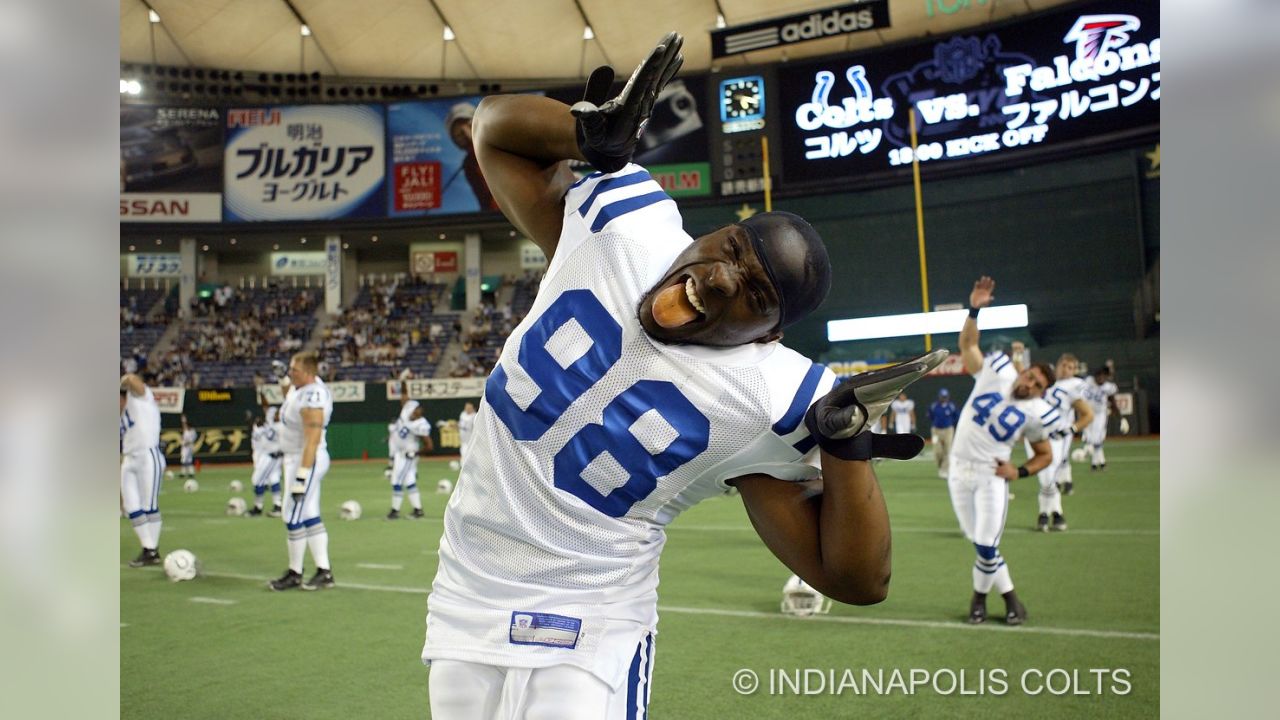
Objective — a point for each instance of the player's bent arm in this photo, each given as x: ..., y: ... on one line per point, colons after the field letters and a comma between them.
x: 312, y: 431
x: 838, y: 540
x: 133, y: 384
x: 520, y: 142
x: 1043, y: 455
x: 1084, y: 414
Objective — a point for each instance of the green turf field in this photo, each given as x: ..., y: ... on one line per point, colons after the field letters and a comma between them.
x: 225, y: 647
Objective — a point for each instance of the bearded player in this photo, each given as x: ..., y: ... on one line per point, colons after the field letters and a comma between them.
x: 646, y: 377
x: 1004, y: 406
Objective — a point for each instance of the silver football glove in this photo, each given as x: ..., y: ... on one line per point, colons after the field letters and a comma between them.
x: 839, y: 417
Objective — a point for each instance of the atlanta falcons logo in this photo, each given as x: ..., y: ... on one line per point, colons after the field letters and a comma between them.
x: 1096, y: 34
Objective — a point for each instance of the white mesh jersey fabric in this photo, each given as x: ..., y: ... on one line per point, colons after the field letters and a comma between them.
x: 516, y: 542
x: 1063, y: 393
x: 981, y: 436
x: 139, y: 423
x: 315, y: 395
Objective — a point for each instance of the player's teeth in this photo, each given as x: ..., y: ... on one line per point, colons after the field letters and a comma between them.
x: 693, y: 297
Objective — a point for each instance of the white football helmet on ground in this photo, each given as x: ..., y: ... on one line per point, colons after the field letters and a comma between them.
x: 190, y: 486
x: 444, y: 487
x: 455, y: 465
x: 801, y: 600
x: 350, y: 510
x: 236, y: 486
x: 181, y: 565
x: 1079, y: 455
x: 236, y: 506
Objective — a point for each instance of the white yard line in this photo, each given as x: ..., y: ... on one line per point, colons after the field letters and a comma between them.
x: 719, y: 612
x: 379, y: 566
x: 212, y: 601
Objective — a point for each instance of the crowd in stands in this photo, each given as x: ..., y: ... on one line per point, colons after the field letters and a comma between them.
x: 229, y: 337
x: 141, y: 325
x: 483, y: 337
x: 401, y: 322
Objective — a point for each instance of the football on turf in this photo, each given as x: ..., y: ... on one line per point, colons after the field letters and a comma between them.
x: 444, y: 487
x: 181, y: 565
x: 350, y: 510
x: 454, y: 464
x: 1079, y: 455
x: 235, y: 506
x: 236, y: 486
x: 190, y: 486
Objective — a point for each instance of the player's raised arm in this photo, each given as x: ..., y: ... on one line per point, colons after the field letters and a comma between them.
x: 839, y: 541
x: 133, y: 384
x: 521, y: 140
x: 981, y: 296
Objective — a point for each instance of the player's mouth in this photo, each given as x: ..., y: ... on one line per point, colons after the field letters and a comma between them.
x: 679, y: 304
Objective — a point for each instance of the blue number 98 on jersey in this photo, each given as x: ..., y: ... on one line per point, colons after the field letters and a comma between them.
x: 559, y: 387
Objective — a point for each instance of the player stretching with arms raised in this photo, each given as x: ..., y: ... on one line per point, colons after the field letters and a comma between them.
x: 142, y: 465
x: 646, y: 377
x: 405, y: 431
x: 1005, y: 405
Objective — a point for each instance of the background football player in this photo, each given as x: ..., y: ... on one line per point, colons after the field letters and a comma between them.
x: 408, y: 427
x: 141, y: 465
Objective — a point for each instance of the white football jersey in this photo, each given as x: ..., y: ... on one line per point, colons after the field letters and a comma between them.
x: 189, y: 437
x: 139, y: 423
x: 1097, y: 395
x: 405, y: 432
x: 992, y: 420
x: 265, y: 439
x: 902, y: 409
x: 1061, y: 397
x: 466, y: 423
x: 315, y: 395
x: 591, y: 437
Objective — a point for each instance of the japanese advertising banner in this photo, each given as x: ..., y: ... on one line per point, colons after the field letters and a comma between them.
x: 431, y: 164
x: 304, y: 162
x: 1063, y: 76
x: 170, y: 164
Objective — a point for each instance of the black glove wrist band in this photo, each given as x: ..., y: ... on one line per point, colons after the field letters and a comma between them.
x: 1022, y: 471
x: 973, y: 313
x: 601, y: 162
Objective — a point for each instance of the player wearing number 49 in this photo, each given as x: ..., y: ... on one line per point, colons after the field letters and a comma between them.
x: 1005, y: 405
x: 646, y: 377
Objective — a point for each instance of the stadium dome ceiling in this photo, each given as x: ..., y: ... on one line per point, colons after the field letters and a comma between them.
x: 494, y: 39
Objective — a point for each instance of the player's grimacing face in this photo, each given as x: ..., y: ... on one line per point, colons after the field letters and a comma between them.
x: 1030, y: 383
x: 724, y: 296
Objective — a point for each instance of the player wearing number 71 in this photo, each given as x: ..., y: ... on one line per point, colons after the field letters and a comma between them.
x: 646, y: 377
x: 1005, y: 405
